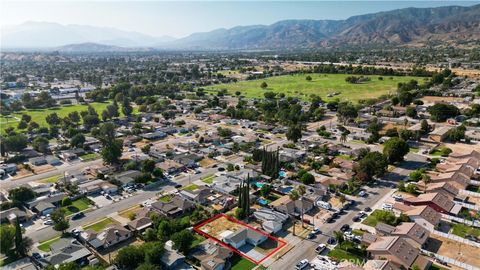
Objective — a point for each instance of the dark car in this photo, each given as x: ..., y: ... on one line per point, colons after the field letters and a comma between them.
x: 78, y: 216
x: 178, y: 186
x: 331, y: 241
x: 345, y: 227
x: 356, y: 219
x: 311, y: 235
x: 367, y: 209
x: 36, y: 255
x: 221, y: 169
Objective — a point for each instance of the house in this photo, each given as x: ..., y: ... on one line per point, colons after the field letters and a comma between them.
x: 9, y: 168
x: 172, y: 259
x: 170, y: 166
x: 212, y: 255
x: 38, y: 161
x: 128, y: 177
x: 285, y: 205
x: 198, y: 195
x: 175, y: 207
x: 69, y: 155
x: 398, y: 251
x: 456, y: 178
x: 21, y: 264
x: 440, y: 134
x: 187, y: 159
x: 106, y: 238
x: 272, y: 221
x: 152, y: 136
x: 444, y: 187
x: 438, y: 201
x: 424, y: 216
x: 46, y: 204
x: 414, y: 233
x: 227, y: 184
x: 140, y: 224
x: 67, y: 250
x: 11, y: 215
x: 381, y: 265
x: 244, y: 236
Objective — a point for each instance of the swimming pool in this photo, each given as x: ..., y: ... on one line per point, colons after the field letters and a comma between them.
x: 259, y: 185
x: 285, y: 189
x: 262, y: 201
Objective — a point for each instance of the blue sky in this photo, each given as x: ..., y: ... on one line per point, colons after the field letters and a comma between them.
x: 181, y: 18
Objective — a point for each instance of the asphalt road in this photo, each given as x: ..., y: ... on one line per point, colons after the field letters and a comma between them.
x: 306, y: 248
x: 137, y: 198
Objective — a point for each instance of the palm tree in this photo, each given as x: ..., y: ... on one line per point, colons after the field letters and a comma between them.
x: 301, y: 191
x: 426, y: 180
x: 343, y: 137
x: 338, y: 237
x: 294, y: 195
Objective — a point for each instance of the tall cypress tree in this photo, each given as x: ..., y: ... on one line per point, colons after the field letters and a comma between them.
x: 19, y: 248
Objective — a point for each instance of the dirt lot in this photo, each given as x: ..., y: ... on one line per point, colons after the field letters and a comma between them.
x: 455, y: 250
x: 43, y: 168
x: 462, y: 148
x: 219, y: 225
x: 207, y: 162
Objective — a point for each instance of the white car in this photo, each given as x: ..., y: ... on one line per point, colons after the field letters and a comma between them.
x: 387, y: 206
x: 316, y: 230
x: 302, y: 264
x: 48, y: 222
x: 362, y: 193
x: 320, y: 248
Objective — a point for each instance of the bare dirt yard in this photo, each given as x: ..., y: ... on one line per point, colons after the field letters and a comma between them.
x: 454, y: 250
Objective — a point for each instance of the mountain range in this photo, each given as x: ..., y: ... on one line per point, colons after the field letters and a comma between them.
x: 450, y: 25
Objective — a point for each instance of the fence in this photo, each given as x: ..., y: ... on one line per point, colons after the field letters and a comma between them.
x: 474, y: 182
x: 470, y: 193
x: 468, y: 205
x: 450, y: 261
x: 456, y: 238
x: 461, y: 220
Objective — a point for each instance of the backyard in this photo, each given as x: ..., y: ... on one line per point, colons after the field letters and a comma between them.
x: 321, y: 85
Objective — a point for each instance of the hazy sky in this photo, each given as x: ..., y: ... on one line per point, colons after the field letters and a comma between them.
x: 180, y: 18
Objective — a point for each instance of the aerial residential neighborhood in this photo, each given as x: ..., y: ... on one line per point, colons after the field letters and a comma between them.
x: 225, y: 150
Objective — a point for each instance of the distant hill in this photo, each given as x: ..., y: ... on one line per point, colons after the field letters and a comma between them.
x: 92, y: 47
x: 48, y: 35
x: 410, y: 26
x: 451, y: 25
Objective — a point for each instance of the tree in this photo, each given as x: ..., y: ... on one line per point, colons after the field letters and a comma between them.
x: 182, y: 241
x: 373, y: 164
x: 308, y: 78
x: 395, y: 149
x: 308, y: 179
x: 424, y: 127
x: 26, y: 117
x: 426, y: 180
x: 147, y: 266
x: 126, y: 107
x: 441, y: 112
x: 411, y: 112
x: 263, y: 85
x: 339, y: 237
x: 40, y: 144
x: 157, y: 172
x: 346, y: 111
x: 60, y: 221
x: 77, y: 140
x: 15, y: 143
x: 74, y: 117
x: 129, y: 257
x: 265, y: 190
x: 53, y: 119
x: 112, y: 148
x: 21, y: 194
x: 7, y: 239
x: 66, y: 201
x: 22, y: 125
x: 22, y: 244
x: 294, y: 133
x: 457, y: 133
x: 148, y: 166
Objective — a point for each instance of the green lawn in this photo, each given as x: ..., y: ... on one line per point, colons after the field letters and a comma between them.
x: 198, y: 239
x: 50, y: 180
x: 191, y: 187
x: 45, y: 245
x: 90, y: 157
x: 208, y: 179
x: 100, y: 225
x: 38, y: 115
x: 346, y: 157
x: 239, y: 263
x: 321, y: 85
x: 462, y: 230
x: 77, y: 206
x: 340, y: 255
x: 358, y: 232
x: 373, y: 218
x: 165, y: 198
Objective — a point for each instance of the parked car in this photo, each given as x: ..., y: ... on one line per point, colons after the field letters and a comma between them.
x: 362, y: 194
x: 320, y: 248
x: 367, y: 209
x: 48, y: 222
x: 345, y: 227
x: 356, y: 219
x: 178, y: 186
x: 311, y: 235
x: 301, y: 264
x: 78, y: 216
x: 316, y: 230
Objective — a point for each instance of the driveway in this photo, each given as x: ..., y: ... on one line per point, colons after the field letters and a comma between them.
x: 100, y: 200
x: 250, y: 251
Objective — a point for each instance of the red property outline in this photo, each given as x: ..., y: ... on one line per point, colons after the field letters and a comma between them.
x: 197, y: 229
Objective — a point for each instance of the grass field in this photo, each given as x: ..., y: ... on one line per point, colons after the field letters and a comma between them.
x: 321, y: 85
x: 89, y: 157
x: 100, y: 225
x: 239, y: 263
x: 45, y: 245
x: 463, y: 230
x: 191, y: 187
x: 38, y: 115
x: 208, y: 179
x: 51, y: 180
x: 77, y: 206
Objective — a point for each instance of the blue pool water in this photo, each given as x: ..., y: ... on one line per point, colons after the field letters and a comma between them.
x: 259, y: 185
x: 285, y: 189
x: 282, y: 174
x: 262, y: 201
